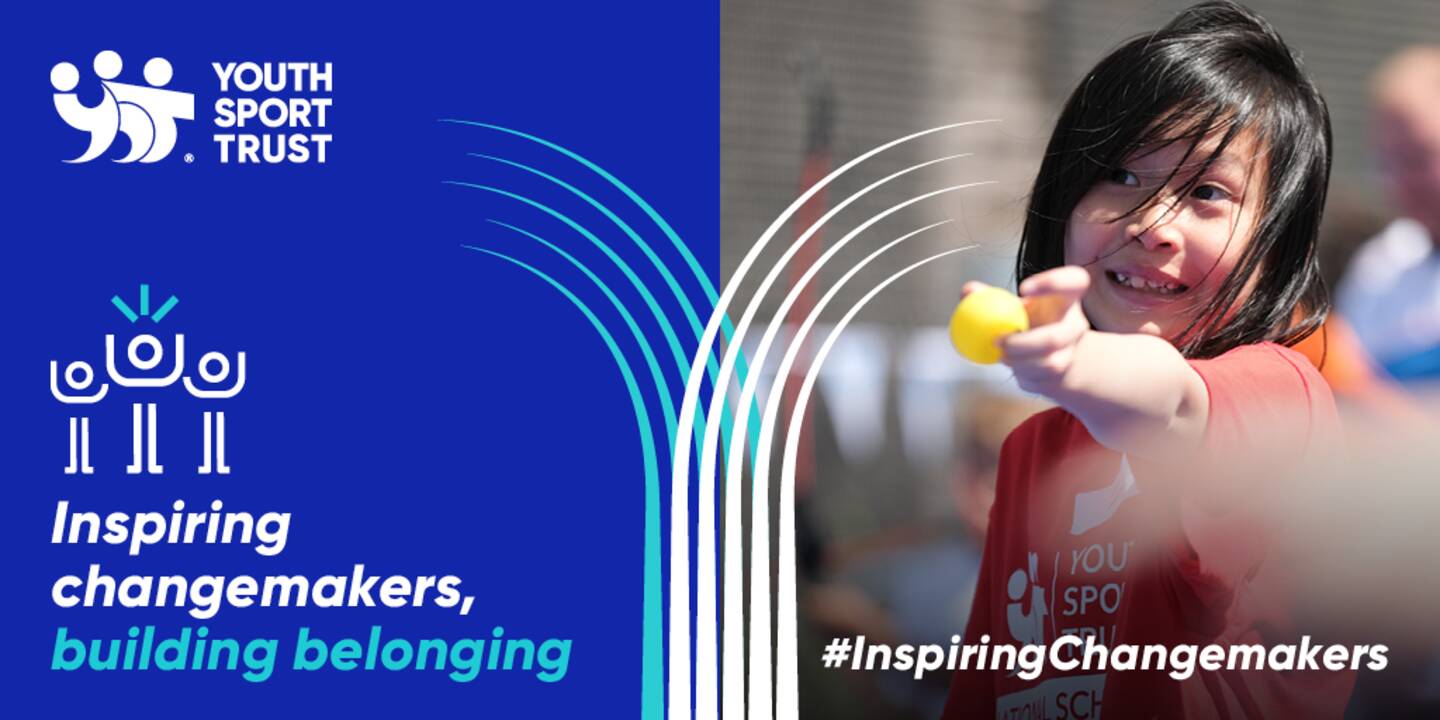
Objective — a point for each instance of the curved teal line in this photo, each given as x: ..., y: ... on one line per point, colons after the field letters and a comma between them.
x: 659, y: 221
x: 652, y: 692
x: 629, y: 273
x: 712, y: 369
x: 726, y: 328
x: 644, y: 246
x: 662, y: 388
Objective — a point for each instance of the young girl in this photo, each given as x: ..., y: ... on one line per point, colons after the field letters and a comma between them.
x: 1167, y: 261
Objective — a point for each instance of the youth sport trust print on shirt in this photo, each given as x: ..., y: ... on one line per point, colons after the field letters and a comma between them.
x: 1078, y: 545
x: 1079, y: 593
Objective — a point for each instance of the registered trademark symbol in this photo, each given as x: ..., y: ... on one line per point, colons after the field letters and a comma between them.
x: 189, y: 158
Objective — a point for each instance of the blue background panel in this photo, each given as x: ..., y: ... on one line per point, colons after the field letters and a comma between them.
x: 418, y: 407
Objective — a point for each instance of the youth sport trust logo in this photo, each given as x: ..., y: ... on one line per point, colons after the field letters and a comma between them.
x: 146, y: 114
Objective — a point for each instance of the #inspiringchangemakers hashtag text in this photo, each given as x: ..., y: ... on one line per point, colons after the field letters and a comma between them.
x: 1066, y: 655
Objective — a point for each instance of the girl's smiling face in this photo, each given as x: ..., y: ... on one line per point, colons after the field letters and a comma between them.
x: 1152, y: 271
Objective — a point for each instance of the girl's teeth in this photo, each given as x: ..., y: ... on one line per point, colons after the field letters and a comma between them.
x: 1143, y: 284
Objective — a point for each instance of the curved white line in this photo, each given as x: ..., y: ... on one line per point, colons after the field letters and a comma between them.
x: 760, y: 662
x: 761, y: 469
x: 787, y: 701
x: 678, y: 697
x: 732, y: 660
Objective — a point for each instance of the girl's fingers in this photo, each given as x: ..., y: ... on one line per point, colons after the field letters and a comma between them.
x: 1070, y: 281
x: 1040, y: 376
x: 1049, y: 296
x: 1041, y: 341
x: 1046, y: 309
x: 970, y: 287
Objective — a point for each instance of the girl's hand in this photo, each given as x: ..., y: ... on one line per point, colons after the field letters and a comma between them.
x: 1042, y: 356
x: 1135, y: 393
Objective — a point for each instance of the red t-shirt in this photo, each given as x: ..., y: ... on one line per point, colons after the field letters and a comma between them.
x: 1085, y: 541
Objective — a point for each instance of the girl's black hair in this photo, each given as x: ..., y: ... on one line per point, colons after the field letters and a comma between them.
x: 1218, y: 69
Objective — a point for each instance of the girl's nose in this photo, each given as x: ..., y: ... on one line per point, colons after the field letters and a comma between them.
x: 1154, y: 226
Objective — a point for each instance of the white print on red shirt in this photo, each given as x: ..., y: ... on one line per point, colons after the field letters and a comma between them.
x: 1027, y: 626
x: 1093, y: 508
x: 1087, y: 584
x: 1077, y: 697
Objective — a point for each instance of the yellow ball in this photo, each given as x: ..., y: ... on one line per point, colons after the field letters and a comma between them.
x: 983, y: 317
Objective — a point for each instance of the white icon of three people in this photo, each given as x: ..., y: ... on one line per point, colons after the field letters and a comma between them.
x: 145, y: 114
x: 146, y: 353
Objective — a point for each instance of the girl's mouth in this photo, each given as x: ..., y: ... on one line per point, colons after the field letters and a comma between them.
x: 1136, y: 283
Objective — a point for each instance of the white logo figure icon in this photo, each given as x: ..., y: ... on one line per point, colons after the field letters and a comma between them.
x: 1026, y: 627
x: 151, y: 367
x: 145, y: 426
x: 78, y: 377
x: 146, y: 114
x: 215, y: 420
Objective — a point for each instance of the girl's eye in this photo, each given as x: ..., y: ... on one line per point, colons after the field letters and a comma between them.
x: 1121, y: 176
x: 1209, y: 192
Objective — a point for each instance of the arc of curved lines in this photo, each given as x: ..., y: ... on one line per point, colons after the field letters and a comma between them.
x: 787, y: 698
x: 705, y: 549
x: 760, y: 597
x: 671, y: 339
x: 705, y: 670
x: 662, y: 387
x: 655, y: 217
x: 705, y: 539
x: 759, y: 641
x: 650, y: 302
x: 652, y: 663
x: 679, y: 677
x: 678, y: 696
x: 700, y: 276
x: 685, y: 306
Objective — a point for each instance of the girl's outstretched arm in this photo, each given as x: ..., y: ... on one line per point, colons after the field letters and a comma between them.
x: 1135, y: 393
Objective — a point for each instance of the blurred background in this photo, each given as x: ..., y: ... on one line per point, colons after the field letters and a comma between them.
x: 903, y: 438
